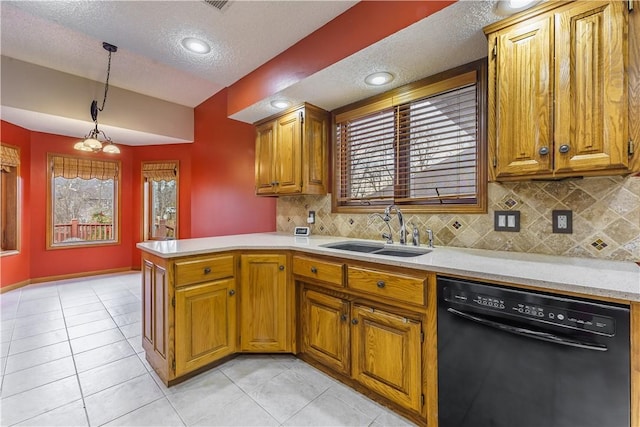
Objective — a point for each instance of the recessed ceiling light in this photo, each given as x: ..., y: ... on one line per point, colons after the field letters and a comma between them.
x: 195, y: 45
x: 378, y: 79
x: 517, y: 4
x: 509, y: 7
x: 280, y: 103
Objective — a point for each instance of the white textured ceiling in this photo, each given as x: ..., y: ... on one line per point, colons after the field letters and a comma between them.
x: 444, y: 40
x: 67, y: 36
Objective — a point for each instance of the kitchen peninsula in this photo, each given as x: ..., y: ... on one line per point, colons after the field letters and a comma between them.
x: 207, y: 299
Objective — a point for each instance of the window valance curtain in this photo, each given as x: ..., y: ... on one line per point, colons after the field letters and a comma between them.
x: 160, y: 171
x: 74, y: 167
x: 9, y: 157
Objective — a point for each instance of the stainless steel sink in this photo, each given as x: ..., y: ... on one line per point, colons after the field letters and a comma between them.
x: 355, y: 246
x: 378, y: 249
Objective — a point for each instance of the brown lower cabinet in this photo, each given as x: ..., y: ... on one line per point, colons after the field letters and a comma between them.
x: 266, y: 305
x: 205, y: 324
x: 189, y: 312
x: 380, y: 350
x: 371, y: 326
x: 387, y: 355
x: 325, y: 323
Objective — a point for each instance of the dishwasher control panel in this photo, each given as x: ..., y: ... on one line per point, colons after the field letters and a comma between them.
x: 532, y: 310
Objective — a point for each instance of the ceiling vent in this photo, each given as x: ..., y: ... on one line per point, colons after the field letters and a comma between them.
x: 218, y: 4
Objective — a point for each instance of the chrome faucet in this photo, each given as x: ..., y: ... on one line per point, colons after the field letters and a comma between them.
x: 403, y: 230
x: 386, y: 219
x: 429, y: 238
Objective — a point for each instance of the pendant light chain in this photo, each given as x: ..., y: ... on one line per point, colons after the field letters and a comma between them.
x: 110, y: 49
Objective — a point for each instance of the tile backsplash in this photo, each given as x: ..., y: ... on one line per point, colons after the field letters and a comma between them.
x: 606, y: 219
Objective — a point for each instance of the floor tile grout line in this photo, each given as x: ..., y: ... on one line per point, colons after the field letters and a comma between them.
x: 140, y: 407
x: 75, y: 366
x: 9, y: 346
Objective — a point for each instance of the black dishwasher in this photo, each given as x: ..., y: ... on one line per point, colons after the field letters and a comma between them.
x: 514, y: 358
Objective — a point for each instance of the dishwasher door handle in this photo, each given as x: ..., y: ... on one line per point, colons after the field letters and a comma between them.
x: 528, y: 333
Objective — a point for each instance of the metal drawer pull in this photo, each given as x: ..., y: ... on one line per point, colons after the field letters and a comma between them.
x: 314, y: 270
x: 544, y: 151
x: 354, y: 321
x: 232, y: 292
x: 564, y: 148
x: 281, y: 268
x: 207, y: 270
x: 343, y: 317
x: 381, y: 284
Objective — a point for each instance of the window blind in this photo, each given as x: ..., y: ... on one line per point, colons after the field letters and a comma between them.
x: 75, y: 167
x: 9, y: 158
x: 424, y: 151
x: 160, y: 171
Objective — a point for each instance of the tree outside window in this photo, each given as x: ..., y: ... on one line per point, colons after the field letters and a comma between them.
x: 83, y: 201
x: 160, y: 200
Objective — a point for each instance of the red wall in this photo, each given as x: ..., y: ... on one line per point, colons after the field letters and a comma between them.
x: 65, y: 261
x: 223, y: 196
x: 360, y: 26
x: 216, y: 171
x: 216, y: 192
x: 15, y: 268
x: 179, y: 152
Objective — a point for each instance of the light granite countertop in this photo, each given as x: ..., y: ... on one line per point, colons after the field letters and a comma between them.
x: 598, y: 278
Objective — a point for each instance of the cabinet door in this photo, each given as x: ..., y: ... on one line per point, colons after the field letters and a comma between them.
x: 591, y: 87
x: 265, y: 158
x: 325, y: 330
x: 156, y: 316
x: 386, y: 355
x: 315, y: 166
x: 265, y: 322
x: 288, y: 162
x: 524, y: 99
x: 205, y: 324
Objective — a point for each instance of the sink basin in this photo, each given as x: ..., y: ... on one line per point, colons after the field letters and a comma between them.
x: 402, y: 252
x: 378, y: 249
x: 355, y: 246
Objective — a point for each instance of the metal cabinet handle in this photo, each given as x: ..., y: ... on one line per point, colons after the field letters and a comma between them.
x: 232, y: 292
x: 544, y: 151
x: 354, y: 321
x: 273, y: 183
x: 207, y: 270
x: 564, y: 148
x: 381, y: 284
x: 344, y: 317
x: 281, y: 268
x: 314, y: 270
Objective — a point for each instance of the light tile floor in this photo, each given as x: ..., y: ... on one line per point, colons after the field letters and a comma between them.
x: 71, y: 355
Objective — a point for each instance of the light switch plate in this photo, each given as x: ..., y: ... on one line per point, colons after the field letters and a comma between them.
x: 562, y: 221
x: 506, y: 221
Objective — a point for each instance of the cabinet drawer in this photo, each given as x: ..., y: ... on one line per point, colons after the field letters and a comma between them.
x: 203, y: 269
x: 389, y: 285
x: 328, y: 272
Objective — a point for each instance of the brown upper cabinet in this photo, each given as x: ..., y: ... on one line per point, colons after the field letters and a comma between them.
x: 558, y: 92
x: 292, y: 154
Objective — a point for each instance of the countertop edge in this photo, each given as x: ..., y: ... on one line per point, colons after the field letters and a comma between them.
x: 439, y: 262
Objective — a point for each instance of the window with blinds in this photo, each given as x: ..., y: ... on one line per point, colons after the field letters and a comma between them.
x: 9, y: 218
x: 160, y: 189
x: 422, y: 148
x: 82, y: 201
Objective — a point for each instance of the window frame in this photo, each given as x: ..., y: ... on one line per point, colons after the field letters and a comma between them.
x: 147, y: 220
x: 429, y: 86
x: 117, y: 216
x: 15, y: 205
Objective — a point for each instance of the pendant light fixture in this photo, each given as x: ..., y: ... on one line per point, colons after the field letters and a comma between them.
x: 92, y: 140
